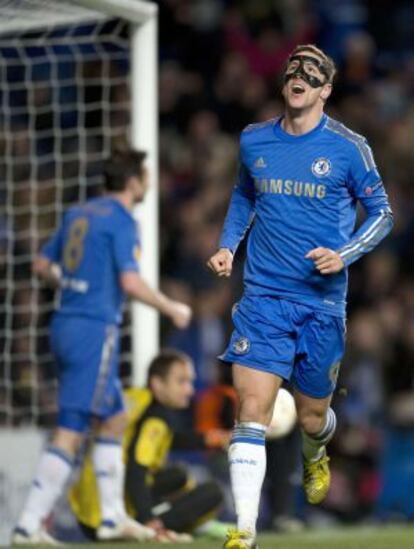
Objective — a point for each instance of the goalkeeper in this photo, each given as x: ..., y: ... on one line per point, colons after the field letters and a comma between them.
x: 158, y: 495
x: 301, y: 177
x: 93, y: 260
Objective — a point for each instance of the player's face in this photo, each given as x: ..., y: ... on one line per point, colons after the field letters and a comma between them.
x: 298, y: 93
x: 140, y: 185
x: 177, y: 389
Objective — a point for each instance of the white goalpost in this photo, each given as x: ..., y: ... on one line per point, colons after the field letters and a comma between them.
x: 77, y: 77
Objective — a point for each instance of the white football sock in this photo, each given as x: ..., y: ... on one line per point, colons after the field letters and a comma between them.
x: 110, y: 474
x: 247, y: 460
x: 49, y: 482
x: 313, y: 446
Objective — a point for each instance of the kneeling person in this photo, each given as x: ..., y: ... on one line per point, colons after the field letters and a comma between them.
x: 150, y: 434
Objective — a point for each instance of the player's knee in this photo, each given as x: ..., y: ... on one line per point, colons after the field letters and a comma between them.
x: 178, y: 478
x: 311, y: 421
x: 252, y: 408
x: 114, y: 426
x: 67, y: 440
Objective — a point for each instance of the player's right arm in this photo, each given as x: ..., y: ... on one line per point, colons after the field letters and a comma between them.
x: 46, y: 264
x: 239, y: 217
x: 47, y: 270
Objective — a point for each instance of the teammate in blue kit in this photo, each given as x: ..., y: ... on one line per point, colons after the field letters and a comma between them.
x: 93, y: 259
x: 301, y: 176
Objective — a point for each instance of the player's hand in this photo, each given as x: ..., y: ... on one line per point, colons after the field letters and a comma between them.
x: 326, y: 261
x: 171, y: 536
x: 155, y: 524
x: 180, y: 314
x: 163, y: 535
x: 49, y: 272
x: 221, y: 262
x: 160, y: 531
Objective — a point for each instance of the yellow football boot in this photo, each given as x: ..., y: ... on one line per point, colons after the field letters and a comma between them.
x: 316, y: 479
x: 240, y: 539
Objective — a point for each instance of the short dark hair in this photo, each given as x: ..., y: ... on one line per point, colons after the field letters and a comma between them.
x: 121, y: 166
x: 327, y: 62
x: 160, y: 366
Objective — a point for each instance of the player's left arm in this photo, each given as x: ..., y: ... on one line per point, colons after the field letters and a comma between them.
x: 126, y: 253
x: 366, y: 186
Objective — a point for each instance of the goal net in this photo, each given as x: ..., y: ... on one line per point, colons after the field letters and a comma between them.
x: 65, y: 104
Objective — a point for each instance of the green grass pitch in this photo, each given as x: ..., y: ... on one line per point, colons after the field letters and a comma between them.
x: 391, y: 537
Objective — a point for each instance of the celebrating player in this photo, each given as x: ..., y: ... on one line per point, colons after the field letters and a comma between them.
x: 93, y: 259
x: 301, y: 176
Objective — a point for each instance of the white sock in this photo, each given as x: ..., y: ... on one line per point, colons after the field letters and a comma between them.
x: 247, y: 460
x: 313, y: 446
x: 110, y: 474
x: 49, y: 482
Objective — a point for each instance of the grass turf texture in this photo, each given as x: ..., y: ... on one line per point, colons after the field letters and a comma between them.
x: 391, y: 537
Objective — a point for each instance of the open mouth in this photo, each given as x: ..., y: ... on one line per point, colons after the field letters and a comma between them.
x: 298, y: 89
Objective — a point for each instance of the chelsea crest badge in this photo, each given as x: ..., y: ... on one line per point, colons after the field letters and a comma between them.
x: 241, y: 346
x: 321, y: 167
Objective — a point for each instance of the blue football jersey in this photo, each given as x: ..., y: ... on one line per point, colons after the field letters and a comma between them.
x: 298, y: 193
x: 95, y: 243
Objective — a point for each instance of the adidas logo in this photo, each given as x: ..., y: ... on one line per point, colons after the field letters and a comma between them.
x: 260, y: 163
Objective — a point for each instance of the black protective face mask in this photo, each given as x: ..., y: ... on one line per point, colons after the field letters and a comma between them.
x: 300, y: 71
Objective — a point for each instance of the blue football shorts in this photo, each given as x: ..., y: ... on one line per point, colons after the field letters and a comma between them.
x: 290, y: 340
x: 87, y: 357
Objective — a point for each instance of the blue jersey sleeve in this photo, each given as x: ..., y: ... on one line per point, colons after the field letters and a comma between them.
x: 366, y: 186
x: 53, y: 248
x: 127, y: 248
x: 241, y: 210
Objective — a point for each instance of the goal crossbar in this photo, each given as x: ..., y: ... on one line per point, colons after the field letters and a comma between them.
x: 135, y: 11
x: 32, y: 15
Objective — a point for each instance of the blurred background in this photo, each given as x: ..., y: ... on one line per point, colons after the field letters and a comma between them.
x: 220, y: 67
